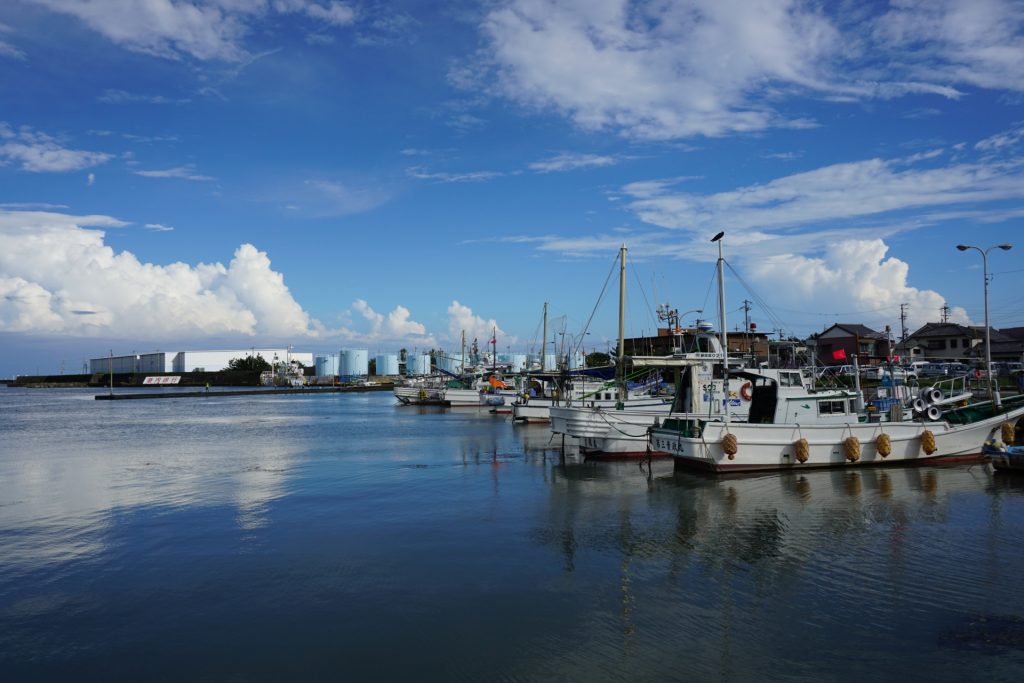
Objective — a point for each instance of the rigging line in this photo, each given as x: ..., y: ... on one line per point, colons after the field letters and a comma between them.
x: 772, y: 316
x: 600, y: 297
x: 650, y: 310
x: 711, y: 284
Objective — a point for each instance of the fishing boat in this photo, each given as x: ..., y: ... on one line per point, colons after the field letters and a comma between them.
x: 811, y: 430
x: 635, y: 392
x: 614, y: 432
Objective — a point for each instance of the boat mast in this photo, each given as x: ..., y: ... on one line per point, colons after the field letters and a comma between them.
x: 621, y: 364
x: 544, y: 341
x: 721, y: 321
x: 463, y: 354
x: 494, y: 349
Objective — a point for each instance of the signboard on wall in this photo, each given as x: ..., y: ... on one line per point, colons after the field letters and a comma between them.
x: 167, y: 379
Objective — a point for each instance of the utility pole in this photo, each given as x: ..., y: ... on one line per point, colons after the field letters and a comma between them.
x: 903, y: 322
x: 746, y: 329
x: 945, y: 313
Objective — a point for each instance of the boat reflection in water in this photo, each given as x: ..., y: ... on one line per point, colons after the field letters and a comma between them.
x: 781, y: 576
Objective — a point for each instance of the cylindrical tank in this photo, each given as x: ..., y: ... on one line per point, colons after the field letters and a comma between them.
x: 387, y: 364
x: 355, y: 362
x: 450, y: 362
x: 326, y: 365
x: 550, y: 362
x: 417, y: 364
x: 577, y: 361
x: 518, y: 362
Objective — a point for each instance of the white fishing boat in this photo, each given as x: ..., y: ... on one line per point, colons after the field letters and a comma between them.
x: 637, y: 392
x: 812, y: 430
x: 421, y: 392
x: 621, y: 431
x: 583, y: 391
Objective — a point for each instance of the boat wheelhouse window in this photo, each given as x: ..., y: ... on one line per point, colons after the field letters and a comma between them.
x: 704, y: 345
x: 831, y: 407
x: 789, y: 379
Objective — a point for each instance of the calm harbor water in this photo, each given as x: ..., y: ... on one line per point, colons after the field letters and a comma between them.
x: 343, y: 538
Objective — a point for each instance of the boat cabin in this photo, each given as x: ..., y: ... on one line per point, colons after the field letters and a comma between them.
x: 786, y: 400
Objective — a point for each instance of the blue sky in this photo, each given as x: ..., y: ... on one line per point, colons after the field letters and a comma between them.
x: 220, y: 173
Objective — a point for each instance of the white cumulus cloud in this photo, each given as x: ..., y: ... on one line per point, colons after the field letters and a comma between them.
x: 58, y: 277
x: 462, y: 319
x: 396, y: 326
x: 854, y: 277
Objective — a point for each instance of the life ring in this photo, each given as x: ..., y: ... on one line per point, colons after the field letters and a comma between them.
x: 745, y: 390
x: 977, y: 374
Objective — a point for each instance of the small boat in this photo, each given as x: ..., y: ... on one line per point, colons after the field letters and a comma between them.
x: 1004, y: 458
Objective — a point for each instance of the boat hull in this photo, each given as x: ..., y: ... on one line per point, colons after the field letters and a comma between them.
x: 609, y: 434
x: 763, y: 447
x: 419, y: 396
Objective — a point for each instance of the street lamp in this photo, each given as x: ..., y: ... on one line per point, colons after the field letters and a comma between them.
x: 993, y: 389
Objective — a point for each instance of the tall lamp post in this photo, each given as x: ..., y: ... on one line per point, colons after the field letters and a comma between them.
x: 993, y: 389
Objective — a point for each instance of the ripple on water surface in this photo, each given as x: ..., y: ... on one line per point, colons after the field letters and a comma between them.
x: 340, y: 536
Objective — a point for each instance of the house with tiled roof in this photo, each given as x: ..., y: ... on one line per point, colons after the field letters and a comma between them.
x: 965, y: 343
x: 841, y: 342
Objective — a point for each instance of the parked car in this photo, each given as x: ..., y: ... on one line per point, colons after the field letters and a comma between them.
x: 880, y: 372
x: 933, y: 370
x: 838, y: 371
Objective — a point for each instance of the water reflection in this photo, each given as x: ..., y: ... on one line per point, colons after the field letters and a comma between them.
x: 234, y: 539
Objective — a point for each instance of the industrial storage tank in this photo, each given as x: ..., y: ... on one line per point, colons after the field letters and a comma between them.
x: 517, y: 362
x: 550, y: 362
x: 449, y: 362
x: 387, y: 364
x: 417, y: 364
x: 355, y: 363
x: 577, y: 361
x: 326, y: 365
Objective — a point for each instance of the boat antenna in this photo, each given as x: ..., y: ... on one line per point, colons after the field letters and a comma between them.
x: 723, y: 334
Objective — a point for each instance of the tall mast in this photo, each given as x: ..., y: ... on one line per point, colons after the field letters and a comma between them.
x: 544, y: 341
x: 462, y: 355
x: 721, y: 321
x: 621, y: 365
x: 494, y: 349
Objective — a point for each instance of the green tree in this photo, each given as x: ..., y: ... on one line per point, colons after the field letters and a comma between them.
x: 598, y: 359
x: 257, y: 363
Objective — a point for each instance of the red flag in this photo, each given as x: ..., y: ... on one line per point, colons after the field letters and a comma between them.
x: 839, y: 354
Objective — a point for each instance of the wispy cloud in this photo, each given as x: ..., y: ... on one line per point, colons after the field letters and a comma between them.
x: 1009, y: 138
x: 38, y: 152
x: 187, y: 172
x: 704, y: 67
x: 6, y: 49
x: 31, y: 206
x: 320, y: 197
x: 203, y: 31
x: 158, y: 227
x: 569, y: 161
x: 823, y: 196
x: 421, y: 173
x: 124, y: 97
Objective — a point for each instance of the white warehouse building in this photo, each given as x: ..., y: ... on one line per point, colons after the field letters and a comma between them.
x: 190, y: 361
